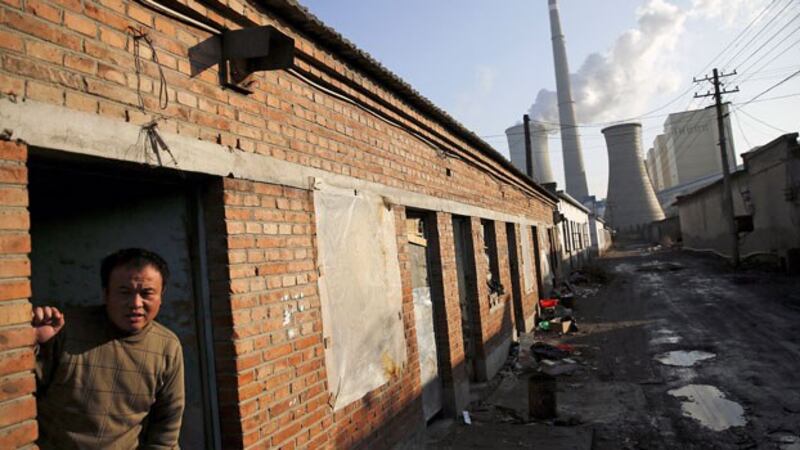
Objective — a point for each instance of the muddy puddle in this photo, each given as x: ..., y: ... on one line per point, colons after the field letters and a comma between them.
x: 661, y: 340
x: 683, y: 358
x: 785, y: 440
x: 708, y: 405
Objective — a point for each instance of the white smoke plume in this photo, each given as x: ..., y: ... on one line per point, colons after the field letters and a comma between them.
x: 618, y: 84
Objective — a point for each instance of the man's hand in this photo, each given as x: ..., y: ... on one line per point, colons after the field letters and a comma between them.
x: 48, y: 321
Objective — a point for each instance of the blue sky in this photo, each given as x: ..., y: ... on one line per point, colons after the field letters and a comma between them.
x: 485, y: 61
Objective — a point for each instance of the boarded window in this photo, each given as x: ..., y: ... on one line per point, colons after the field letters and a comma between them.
x: 527, y: 259
x: 360, y: 292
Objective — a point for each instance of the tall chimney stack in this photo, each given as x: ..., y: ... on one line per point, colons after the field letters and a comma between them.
x: 574, y: 172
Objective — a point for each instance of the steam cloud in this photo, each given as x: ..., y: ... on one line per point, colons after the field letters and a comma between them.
x: 618, y: 84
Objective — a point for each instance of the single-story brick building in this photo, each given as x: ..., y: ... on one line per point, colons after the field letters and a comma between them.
x: 347, y: 257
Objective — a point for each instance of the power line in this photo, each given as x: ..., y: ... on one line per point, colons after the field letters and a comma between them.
x: 760, y: 121
x: 774, y: 35
x: 763, y: 27
x: 790, y: 47
x: 736, y: 39
x: 769, y: 89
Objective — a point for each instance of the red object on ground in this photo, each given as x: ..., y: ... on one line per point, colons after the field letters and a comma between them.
x: 565, y: 347
x: 548, y: 302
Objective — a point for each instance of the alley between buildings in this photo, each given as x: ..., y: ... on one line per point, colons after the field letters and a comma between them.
x: 675, y: 350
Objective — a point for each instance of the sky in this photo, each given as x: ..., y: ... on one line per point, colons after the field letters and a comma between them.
x: 489, y: 62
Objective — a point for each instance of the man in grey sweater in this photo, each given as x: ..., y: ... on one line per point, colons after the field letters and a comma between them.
x: 111, y: 376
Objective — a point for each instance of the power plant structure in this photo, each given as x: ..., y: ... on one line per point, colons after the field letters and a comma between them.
x: 574, y: 172
x: 540, y: 151
x: 631, y: 200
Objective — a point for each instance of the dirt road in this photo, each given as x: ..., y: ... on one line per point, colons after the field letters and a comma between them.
x: 675, y: 351
x: 689, y: 354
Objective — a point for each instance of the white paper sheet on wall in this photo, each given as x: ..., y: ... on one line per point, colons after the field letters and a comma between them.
x: 527, y: 257
x: 360, y: 292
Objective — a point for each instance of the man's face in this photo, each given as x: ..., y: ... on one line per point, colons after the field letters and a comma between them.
x: 133, y: 296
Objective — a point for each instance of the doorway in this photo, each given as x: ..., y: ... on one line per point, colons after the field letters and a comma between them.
x: 83, y: 209
x: 516, y: 289
x: 467, y: 290
x: 537, y: 260
x: 428, y: 305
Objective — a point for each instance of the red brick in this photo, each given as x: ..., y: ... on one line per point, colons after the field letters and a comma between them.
x: 80, y: 63
x: 111, y: 74
x: 44, y: 51
x: 11, y: 85
x: 21, y: 336
x: 113, y: 38
x: 80, y: 102
x: 140, y: 14
x: 44, y: 92
x: 20, y: 435
x: 106, y: 17
x: 43, y: 10
x: 15, y: 243
x: 15, y: 313
x: 49, y: 32
x: 13, y: 151
x: 16, y: 361
x: 80, y: 24
x: 14, y: 290
x: 11, y: 41
x: 111, y: 92
x: 73, y: 5
x: 17, y: 411
x: 13, y: 174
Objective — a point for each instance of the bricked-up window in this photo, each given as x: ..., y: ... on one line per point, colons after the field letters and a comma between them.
x: 360, y: 292
x: 493, y: 267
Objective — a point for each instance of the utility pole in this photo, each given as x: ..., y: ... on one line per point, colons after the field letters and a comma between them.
x: 526, y: 124
x: 727, y: 196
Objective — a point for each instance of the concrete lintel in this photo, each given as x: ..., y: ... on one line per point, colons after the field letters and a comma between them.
x: 59, y: 128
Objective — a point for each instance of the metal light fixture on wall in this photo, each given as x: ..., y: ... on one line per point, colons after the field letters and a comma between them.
x: 251, y: 50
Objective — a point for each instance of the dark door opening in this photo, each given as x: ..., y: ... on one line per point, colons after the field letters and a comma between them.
x: 428, y: 306
x: 516, y: 289
x: 537, y: 262
x: 83, y: 209
x: 467, y: 290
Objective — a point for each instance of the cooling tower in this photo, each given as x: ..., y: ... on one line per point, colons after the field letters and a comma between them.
x: 542, y: 173
x: 631, y: 200
x: 574, y: 173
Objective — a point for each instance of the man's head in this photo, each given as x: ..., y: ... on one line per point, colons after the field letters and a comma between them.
x: 133, y: 282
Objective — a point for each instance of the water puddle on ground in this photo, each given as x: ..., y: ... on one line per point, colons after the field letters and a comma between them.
x: 683, y: 358
x: 708, y: 405
x: 785, y: 440
x: 624, y: 268
x: 661, y: 340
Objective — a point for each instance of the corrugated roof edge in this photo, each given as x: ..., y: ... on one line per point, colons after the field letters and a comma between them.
x: 301, y: 18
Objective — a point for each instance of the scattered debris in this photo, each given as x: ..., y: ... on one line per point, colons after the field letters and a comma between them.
x: 544, y: 352
x: 562, y: 367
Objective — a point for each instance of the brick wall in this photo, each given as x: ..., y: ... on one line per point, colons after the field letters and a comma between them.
x: 17, y: 382
x: 80, y: 55
x: 271, y: 377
